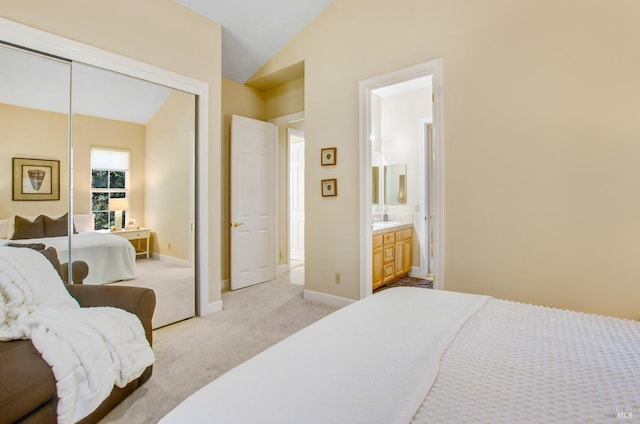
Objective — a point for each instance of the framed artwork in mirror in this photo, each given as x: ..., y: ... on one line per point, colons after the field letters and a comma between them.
x: 328, y: 156
x: 329, y: 187
x: 36, y: 179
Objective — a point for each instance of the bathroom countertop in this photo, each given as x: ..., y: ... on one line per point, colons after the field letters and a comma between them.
x: 383, y: 227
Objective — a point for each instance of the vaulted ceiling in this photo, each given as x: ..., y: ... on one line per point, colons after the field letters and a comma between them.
x: 253, y: 31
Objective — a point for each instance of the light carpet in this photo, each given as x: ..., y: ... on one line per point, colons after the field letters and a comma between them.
x: 174, y: 285
x: 191, y: 353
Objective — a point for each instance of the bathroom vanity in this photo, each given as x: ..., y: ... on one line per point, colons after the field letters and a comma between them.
x: 392, y: 242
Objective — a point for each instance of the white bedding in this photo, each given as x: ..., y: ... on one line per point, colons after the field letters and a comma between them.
x: 110, y: 257
x: 368, y: 363
x: 514, y: 362
x: 427, y: 356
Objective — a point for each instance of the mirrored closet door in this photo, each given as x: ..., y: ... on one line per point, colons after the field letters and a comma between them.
x: 133, y: 182
x: 35, y: 106
x: 119, y: 154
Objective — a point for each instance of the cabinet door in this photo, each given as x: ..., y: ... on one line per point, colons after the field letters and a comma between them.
x: 407, y: 252
x: 399, y: 260
x: 388, y: 273
x: 377, y: 264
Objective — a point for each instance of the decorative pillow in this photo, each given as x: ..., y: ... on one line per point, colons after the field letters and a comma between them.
x: 56, y: 227
x: 84, y: 222
x: 25, y: 229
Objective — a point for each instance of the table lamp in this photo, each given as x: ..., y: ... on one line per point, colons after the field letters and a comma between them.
x: 118, y: 204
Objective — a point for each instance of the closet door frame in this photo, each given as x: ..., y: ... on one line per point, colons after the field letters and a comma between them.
x: 42, y: 41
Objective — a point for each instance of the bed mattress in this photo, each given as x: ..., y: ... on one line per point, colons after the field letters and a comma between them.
x: 429, y: 356
x: 110, y: 257
x: 515, y: 362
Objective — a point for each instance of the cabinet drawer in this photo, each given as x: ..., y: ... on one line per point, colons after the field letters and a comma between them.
x: 389, y: 238
x: 403, y: 234
x: 377, y: 241
x: 388, y: 253
x: 388, y: 272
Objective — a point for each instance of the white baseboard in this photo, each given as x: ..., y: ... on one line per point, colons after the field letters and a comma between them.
x: 283, y: 268
x: 326, y: 299
x: 225, y: 285
x: 213, y: 307
x: 170, y: 259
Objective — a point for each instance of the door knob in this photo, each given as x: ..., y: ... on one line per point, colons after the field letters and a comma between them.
x: 237, y: 224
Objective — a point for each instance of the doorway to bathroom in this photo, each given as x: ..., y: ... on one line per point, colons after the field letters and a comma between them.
x: 296, y: 145
x: 402, y: 166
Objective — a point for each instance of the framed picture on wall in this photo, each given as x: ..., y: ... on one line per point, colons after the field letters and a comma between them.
x: 36, y: 179
x: 329, y: 187
x: 328, y: 156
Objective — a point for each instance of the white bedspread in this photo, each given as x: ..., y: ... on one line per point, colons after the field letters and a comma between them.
x: 518, y: 363
x: 89, y: 349
x: 366, y: 363
x: 110, y: 257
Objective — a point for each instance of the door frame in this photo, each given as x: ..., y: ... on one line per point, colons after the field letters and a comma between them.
x: 424, y: 171
x: 432, y: 68
x: 298, y: 133
x: 39, y: 40
x: 279, y: 121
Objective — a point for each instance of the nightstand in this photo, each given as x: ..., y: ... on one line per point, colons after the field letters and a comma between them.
x: 137, y: 235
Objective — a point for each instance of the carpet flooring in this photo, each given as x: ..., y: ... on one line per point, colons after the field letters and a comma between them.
x: 174, y: 285
x: 191, y: 353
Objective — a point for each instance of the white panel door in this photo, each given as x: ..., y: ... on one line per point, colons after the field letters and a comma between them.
x: 252, y: 202
x: 296, y: 195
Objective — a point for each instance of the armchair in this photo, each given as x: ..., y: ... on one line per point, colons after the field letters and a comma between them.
x: 27, y: 385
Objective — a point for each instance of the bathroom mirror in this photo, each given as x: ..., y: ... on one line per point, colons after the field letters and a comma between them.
x: 375, y: 185
x: 395, y: 184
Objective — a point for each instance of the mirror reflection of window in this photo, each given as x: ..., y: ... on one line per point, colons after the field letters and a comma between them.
x: 395, y: 182
x: 109, y: 176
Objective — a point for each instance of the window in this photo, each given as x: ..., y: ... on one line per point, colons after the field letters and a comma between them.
x: 109, y: 179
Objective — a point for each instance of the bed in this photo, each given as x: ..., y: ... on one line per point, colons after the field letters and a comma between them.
x: 110, y: 257
x: 429, y: 356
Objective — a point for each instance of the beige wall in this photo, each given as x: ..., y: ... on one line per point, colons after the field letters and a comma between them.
x: 158, y: 32
x: 284, y: 99
x: 40, y: 134
x: 88, y: 132
x: 541, y: 175
x: 169, y: 196
x: 33, y: 134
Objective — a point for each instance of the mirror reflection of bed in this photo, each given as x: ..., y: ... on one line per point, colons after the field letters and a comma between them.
x: 131, y: 140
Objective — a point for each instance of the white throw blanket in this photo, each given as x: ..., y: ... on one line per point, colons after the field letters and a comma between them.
x: 372, y: 362
x: 88, y: 349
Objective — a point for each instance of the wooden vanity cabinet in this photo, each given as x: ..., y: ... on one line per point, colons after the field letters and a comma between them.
x: 391, y: 256
x: 377, y: 261
x: 403, y: 252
